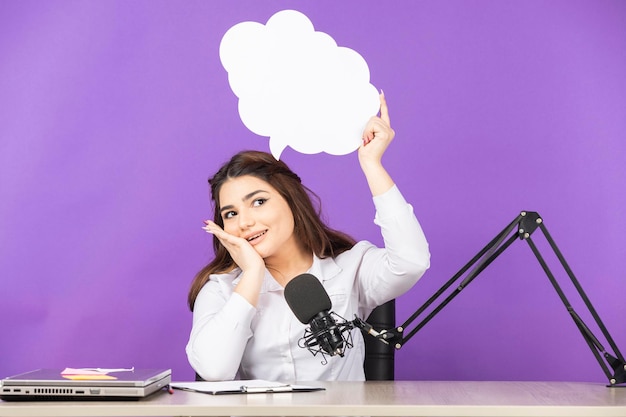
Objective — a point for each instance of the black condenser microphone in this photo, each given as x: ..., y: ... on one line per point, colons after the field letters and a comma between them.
x: 309, y: 301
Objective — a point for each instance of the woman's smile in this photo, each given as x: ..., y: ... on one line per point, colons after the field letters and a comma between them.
x: 256, y: 238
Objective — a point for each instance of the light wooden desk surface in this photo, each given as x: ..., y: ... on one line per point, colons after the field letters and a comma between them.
x: 395, y: 398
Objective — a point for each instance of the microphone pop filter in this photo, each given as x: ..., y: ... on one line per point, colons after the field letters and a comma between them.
x: 306, y: 297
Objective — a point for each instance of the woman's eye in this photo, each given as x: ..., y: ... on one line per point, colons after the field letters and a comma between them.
x: 229, y: 215
x: 259, y: 202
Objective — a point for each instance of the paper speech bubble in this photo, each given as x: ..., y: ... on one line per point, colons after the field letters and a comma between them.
x: 297, y: 87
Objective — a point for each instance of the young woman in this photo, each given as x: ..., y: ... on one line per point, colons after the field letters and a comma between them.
x: 267, y: 231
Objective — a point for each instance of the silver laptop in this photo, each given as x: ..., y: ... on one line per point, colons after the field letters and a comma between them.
x: 85, y: 384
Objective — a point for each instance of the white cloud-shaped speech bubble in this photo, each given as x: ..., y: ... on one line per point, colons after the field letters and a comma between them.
x: 297, y: 87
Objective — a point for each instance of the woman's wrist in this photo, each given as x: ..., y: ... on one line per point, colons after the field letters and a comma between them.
x: 378, y: 178
x: 249, y: 286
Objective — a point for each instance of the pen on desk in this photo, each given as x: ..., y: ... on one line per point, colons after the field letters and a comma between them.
x: 278, y: 388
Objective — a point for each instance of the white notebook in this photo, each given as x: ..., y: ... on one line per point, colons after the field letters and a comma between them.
x: 252, y: 386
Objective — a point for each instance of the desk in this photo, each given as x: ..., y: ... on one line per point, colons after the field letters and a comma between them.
x: 374, y: 398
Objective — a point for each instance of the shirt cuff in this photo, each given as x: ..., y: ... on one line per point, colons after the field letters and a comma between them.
x: 239, y: 310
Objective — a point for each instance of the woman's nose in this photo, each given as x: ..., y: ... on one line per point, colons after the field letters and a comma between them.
x: 246, y: 220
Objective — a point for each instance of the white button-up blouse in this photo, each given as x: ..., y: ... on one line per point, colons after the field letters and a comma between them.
x: 231, y: 339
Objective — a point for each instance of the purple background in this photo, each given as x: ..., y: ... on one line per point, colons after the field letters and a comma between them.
x: 114, y: 114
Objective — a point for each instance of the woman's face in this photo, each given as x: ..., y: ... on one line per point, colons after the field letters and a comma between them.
x: 254, y: 210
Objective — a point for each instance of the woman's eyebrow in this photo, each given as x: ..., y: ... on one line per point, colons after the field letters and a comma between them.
x: 245, y: 198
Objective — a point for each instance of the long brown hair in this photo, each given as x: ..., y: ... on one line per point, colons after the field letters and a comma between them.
x: 310, y: 231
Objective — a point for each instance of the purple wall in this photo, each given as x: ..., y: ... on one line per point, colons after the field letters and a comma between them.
x: 113, y: 115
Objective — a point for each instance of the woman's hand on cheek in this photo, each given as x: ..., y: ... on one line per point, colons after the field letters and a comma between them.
x: 242, y: 252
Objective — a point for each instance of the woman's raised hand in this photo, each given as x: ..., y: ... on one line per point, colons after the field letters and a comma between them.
x: 377, y: 135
